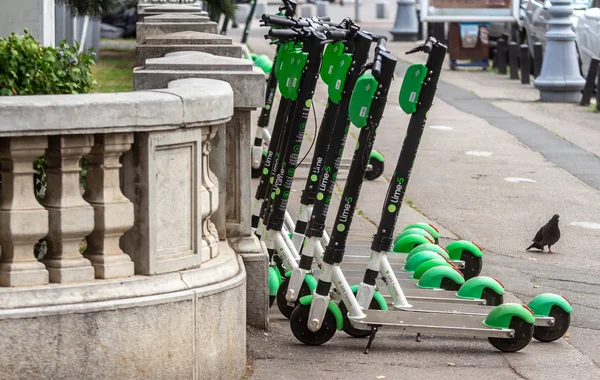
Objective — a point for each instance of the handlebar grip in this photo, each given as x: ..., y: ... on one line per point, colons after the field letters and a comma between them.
x: 382, y: 43
x: 336, y: 34
x: 283, y: 33
x: 327, y: 18
x: 428, y: 46
x: 273, y: 20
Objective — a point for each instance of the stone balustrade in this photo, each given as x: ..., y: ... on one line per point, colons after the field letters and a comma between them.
x: 169, y: 181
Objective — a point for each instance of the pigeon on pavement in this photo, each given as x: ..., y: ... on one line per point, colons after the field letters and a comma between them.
x: 547, y: 235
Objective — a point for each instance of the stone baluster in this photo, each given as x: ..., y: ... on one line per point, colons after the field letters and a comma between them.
x: 113, y: 211
x: 23, y: 221
x: 71, y: 218
x: 209, y: 198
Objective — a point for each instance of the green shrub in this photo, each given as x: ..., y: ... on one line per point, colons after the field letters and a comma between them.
x: 27, y: 68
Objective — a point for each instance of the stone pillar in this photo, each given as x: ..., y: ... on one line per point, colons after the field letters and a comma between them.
x: 113, y: 212
x: 406, y: 26
x: 209, y: 198
x: 172, y: 23
x: 35, y: 15
x: 322, y: 10
x: 23, y: 221
x: 71, y: 218
x: 560, y: 80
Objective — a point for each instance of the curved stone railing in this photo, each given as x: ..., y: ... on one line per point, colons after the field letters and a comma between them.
x: 149, y: 215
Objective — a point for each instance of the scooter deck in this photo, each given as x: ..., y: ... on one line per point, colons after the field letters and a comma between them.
x: 464, y: 309
x: 432, y: 323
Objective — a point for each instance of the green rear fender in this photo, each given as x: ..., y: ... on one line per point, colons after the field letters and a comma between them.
x: 413, y: 263
x: 273, y: 281
x: 310, y: 280
x: 375, y: 155
x: 411, y: 87
x: 427, y: 227
x: 473, y: 288
x: 417, y: 231
x: 428, y: 247
x: 456, y: 249
x: 362, y: 99
x: 542, y: 304
x: 339, y: 320
x: 407, y: 243
x: 432, y: 279
x: 378, y: 297
x: 425, y: 266
x: 501, y: 316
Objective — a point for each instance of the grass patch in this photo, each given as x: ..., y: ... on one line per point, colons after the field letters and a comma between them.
x: 114, y: 71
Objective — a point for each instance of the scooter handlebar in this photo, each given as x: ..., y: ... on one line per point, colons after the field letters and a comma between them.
x: 282, y: 33
x: 336, y: 34
x: 381, y: 46
x: 272, y: 20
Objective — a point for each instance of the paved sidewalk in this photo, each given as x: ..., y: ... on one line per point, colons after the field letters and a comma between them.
x: 480, y: 183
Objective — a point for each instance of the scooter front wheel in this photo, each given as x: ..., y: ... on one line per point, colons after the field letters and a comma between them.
x: 287, y: 308
x: 523, y: 335
x: 299, y: 326
x: 562, y: 321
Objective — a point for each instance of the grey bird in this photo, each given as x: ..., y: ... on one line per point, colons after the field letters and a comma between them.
x: 547, y: 235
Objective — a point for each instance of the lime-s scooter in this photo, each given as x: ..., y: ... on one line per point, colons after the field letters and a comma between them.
x: 509, y: 327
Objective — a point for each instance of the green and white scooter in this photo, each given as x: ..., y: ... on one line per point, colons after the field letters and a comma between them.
x: 509, y: 327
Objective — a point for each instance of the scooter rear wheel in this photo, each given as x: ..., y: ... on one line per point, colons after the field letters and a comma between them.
x: 287, y: 308
x: 299, y: 326
x: 562, y: 321
x: 473, y: 265
x: 523, y: 335
x: 376, y: 171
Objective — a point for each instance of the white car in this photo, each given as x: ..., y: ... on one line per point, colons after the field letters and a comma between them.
x: 588, y: 35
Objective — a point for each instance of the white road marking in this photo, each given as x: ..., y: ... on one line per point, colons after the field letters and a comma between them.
x: 588, y: 225
x: 441, y: 127
x: 518, y: 179
x: 478, y: 153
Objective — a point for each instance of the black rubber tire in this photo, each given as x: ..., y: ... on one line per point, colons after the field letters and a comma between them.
x: 298, y: 324
x: 491, y: 297
x: 448, y: 284
x: 473, y: 264
x: 257, y: 172
x: 376, y: 171
x: 523, y: 335
x: 348, y: 329
x: 271, y: 300
x: 562, y: 321
x: 284, y: 306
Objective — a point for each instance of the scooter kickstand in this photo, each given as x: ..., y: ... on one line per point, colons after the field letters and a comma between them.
x: 371, y: 337
x: 418, y: 337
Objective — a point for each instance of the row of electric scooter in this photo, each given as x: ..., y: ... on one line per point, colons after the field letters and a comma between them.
x: 439, y: 290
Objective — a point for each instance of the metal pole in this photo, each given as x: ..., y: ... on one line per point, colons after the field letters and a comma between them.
x: 525, y: 64
x: 513, y: 60
x: 500, y: 58
x: 588, y: 90
x: 356, y: 11
x: 538, y: 58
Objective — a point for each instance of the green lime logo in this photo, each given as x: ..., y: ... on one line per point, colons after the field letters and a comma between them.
x: 271, y: 180
x: 277, y: 191
x: 387, y: 272
x: 347, y: 128
x: 313, y: 177
x: 291, y: 172
x: 328, y: 200
x: 308, y: 103
x: 280, y: 249
x: 340, y: 152
x: 286, y: 195
x: 302, y: 126
x: 268, y: 107
x: 341, y: 227
x: 391, y: 208
x: 357, y: 145
x: 296, y: 148
x: 339, y: 282
x: 320, y: 196
x: 265, y: 171
x: 334, y: 176
x: 272, y: 195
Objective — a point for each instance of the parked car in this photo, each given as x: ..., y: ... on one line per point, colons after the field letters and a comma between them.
x: 535, y: 23
x: 588, y: 35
